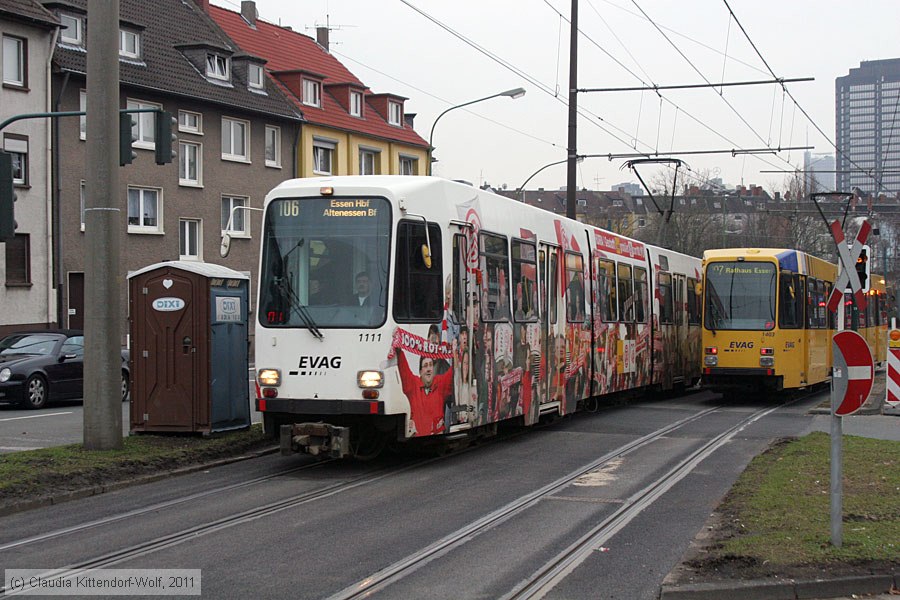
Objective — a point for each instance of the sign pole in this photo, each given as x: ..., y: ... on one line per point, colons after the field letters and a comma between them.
x: 837, y: 500
x: 837, y: 496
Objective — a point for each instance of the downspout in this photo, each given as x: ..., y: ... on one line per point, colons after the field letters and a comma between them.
x: 52, y: 231
x: 57, y: 192
x: 296, y: 150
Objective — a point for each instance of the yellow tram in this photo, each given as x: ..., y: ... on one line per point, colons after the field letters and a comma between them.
x: 766, y: 326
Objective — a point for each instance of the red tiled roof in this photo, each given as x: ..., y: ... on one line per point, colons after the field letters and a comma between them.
x: 287, y: 50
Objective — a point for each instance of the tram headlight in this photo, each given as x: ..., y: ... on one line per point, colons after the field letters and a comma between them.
x: 370, y: 379
x: 710, y: 360
x: 767, y: 361
x: 269, y: 377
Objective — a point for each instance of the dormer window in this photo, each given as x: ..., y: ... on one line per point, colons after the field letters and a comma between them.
x: 129, y: 44
x: 395, y: 113
x: 71, y: 30
x: 312, y: 93
x: 217, y: 66
x: 356, y: 99
x: 255, y: 77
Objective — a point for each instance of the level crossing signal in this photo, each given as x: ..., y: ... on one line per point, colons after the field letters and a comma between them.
x: 862, y: 268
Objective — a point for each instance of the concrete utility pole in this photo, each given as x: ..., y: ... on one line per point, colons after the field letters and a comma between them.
x: 571, y: 189
x: 103, y: 225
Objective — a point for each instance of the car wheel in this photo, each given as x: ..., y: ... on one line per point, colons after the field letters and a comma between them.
x: 35, y: 392
x: 126, y: 386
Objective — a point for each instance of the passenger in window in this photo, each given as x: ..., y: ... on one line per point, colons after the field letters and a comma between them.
x: 364, y: 290
x: 575, y: 298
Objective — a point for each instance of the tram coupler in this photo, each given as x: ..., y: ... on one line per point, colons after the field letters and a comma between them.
x: 316, y: 439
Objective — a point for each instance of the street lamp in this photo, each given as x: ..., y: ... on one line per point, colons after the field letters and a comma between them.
x: 521, y: 189
x: 514, y: 94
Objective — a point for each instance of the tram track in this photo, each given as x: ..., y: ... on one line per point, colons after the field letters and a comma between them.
x: 406, y: 566
x: 192, y: 533
x: 555, y: 570
x: 155, y: 507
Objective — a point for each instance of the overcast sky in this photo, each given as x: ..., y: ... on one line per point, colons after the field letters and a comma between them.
x: 392, y: 47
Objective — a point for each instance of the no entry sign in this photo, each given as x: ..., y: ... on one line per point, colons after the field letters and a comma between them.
x: 853, y: 372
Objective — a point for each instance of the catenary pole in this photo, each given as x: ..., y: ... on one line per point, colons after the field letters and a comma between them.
x: 103, y: 224
x: 573, y: 114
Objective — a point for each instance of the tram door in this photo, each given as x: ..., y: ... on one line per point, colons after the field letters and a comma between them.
x: 550, y: 388
x: 463, y: 410
x: 680, y: 327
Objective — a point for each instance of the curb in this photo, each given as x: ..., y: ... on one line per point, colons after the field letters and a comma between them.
x: 783, y: 590
x: 45, y: 501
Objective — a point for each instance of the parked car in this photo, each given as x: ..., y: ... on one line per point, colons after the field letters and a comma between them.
x: 40, y: 366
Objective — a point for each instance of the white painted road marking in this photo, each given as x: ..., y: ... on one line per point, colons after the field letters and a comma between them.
x: 37, y: 416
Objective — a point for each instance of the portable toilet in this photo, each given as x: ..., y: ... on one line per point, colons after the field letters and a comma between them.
x: 189, y: 348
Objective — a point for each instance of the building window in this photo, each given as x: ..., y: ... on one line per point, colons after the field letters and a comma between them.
x: 82, y: 120
x: 190, y: 243
x: 234, y: 140
x: 190, y: 122
x: 368, y: 162
x: 18, y: 260
x: 71, y: 32
x: 142, y: 124
x: 323, y: 157
x: 273, y: 146
x: 238, y: 218
x: 312, y: 91
x: 129, y: 44
x: 190, y: 164
x: 17, y: 147
x: 642, y: 222
x: 395, y: 113
x: 217, y: 66
x: 255, y: 77
x: 356, y: 104
x: 14, y: 63
x: 409, y: 165
x: 144, y: 210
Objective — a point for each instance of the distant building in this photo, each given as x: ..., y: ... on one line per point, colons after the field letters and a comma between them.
x: 632, y: 189
x: 867, y: 113
x: 27, y: 31
x: 819, y: 168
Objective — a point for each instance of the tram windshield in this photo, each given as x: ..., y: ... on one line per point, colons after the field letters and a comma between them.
x: 740, y: 295
x: 325, y: 263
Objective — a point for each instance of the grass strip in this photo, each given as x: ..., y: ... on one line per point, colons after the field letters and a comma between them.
x: 34, y: 473
x: 778, y: 512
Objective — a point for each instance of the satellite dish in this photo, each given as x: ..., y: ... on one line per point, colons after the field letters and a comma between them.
x: 225, y: 246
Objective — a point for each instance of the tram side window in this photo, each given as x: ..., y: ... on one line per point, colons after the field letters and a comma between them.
x: 495, y: 274
x: 693, y: 301
x: 626, y: 294
x: 679, y: 300
x: 524, y: 266
x: 831, y: 316
x: 791, y: 301
x: 641, y: 296
x: 811, y: 303
x: 554, y: 284
x: 666, y: 300
x: 458, y: 294
x: 606, y: 284
x: 821, y: 319
x: 574, y: 288
x: 418, y: 289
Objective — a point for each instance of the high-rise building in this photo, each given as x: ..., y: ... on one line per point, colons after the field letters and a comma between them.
x: 819, y: 168
x: 867, y: 114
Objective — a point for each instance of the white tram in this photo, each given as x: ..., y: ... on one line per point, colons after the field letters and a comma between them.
x: 393, y: 308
